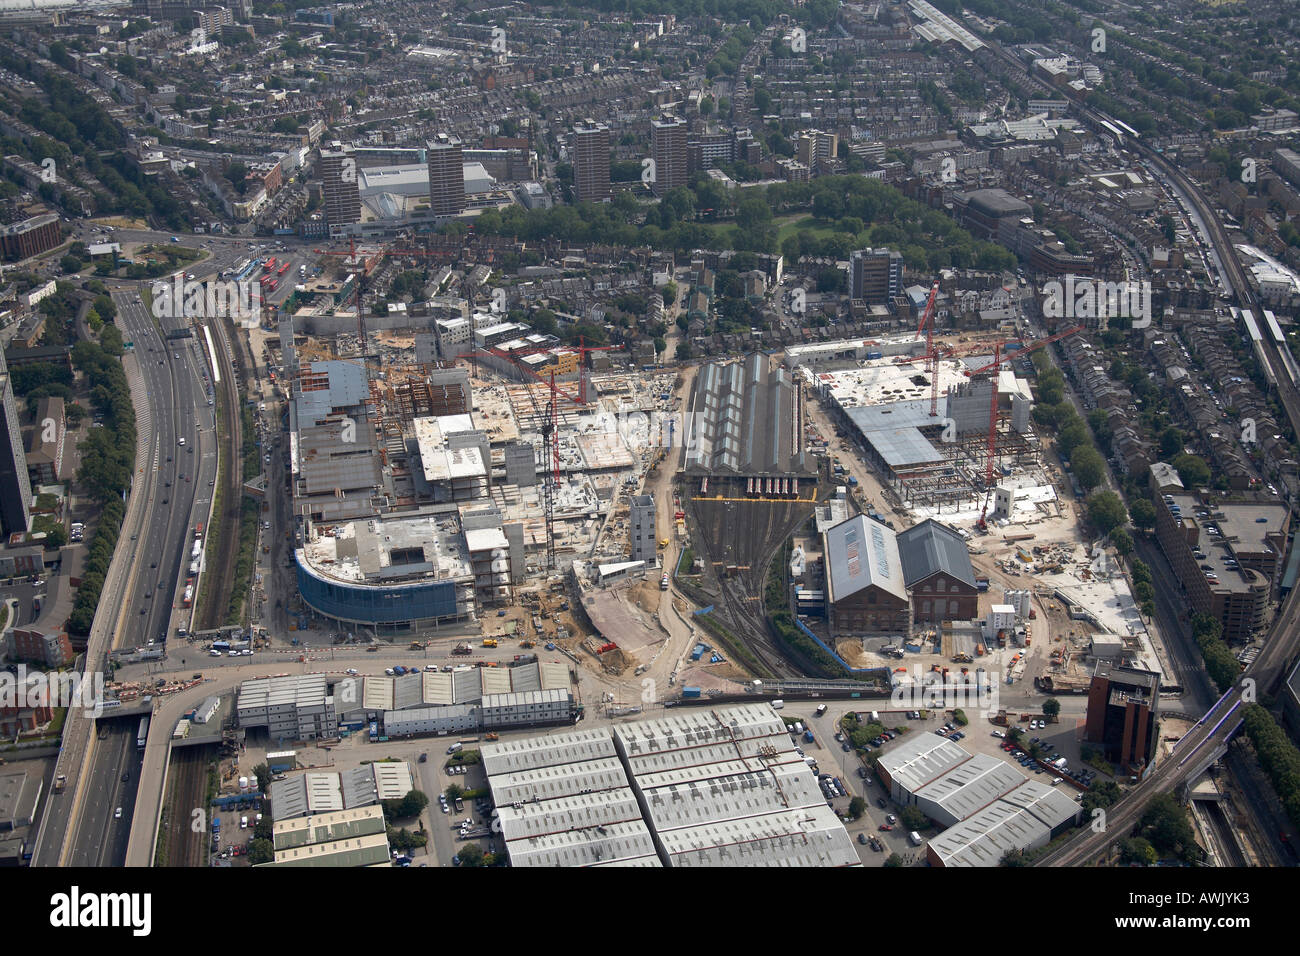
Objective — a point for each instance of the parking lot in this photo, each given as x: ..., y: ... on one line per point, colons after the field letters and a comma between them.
x: 843, y: 774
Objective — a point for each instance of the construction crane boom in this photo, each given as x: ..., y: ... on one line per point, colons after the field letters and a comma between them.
x: 990, y: 449
x: 931, y: 357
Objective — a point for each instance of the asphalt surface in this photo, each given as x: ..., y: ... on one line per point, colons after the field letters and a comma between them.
x: 175, y: 480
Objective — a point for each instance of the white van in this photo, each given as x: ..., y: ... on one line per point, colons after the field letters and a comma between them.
x: 914, y: 838
x: 875, y: 717
x: 778, y: 704
x: 243, y: 823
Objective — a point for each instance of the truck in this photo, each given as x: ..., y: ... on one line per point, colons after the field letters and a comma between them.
x: 489, y: 642
x: 778, y: 704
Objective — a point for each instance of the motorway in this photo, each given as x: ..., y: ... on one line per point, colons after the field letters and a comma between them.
x: 171, y: 481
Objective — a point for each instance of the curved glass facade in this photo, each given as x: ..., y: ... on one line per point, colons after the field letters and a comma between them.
x: 381, y: 605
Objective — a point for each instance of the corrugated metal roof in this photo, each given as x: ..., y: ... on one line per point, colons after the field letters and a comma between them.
x: 863, y: 553
x: 930, y: 547
x: 743, y: 421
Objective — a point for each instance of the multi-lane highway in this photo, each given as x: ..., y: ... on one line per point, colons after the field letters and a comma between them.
x: 173, y: 482
x: 177, y: 476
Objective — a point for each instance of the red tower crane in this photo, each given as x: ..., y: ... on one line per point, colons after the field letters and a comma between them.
x: 931, y: 356
x: 990, y: 449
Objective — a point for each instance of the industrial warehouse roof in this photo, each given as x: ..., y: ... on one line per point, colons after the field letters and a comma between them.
x: 563, y: 780
x: 931, y: 547
x: 920, y: 759
x: 392, y: 779
x: 326, y: 827
x: 302, y: 690
x: 968, y: 787
x: 721, y: 787
x: 862, y: 553
x: 526, y: 819
x: 743, y: 421
x: 511, y: 756
x: 587, y: 846
x: 808, y: 836
x: 1022, y: 819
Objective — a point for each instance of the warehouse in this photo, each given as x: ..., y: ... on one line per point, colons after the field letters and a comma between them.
x: 726, y: 788
x: 864, y: 580
x: 1024, y: 819
x: 582, y: 811
x: 290, y: 708
x: 915, y: 762
x: 342, y: 838
x: 699, y: 788
x: 964, y: 789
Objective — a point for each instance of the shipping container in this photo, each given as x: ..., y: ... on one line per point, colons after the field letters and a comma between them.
x: 690, y: 692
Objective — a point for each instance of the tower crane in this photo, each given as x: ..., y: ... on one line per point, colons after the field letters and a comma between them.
x: 931, y: 356
x: 991, y: 446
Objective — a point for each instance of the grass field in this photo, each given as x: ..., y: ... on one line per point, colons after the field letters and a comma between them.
x: 789, y: 225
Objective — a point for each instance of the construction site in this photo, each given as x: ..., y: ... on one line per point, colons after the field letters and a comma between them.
x: 946, y: 422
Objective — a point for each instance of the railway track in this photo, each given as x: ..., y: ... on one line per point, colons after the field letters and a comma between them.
x: 216, y: 591
x: 188, y: 778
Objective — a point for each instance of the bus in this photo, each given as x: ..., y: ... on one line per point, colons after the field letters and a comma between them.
x: 269, y: 265
x: 142, y: 735
x: 270, y: 287
x: 283, y: 269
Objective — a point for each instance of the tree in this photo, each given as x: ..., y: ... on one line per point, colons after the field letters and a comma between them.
x: 1171, y: 442
x: 1137, y: 850
x: 1014, y: 857
x: 959, y: 717
x: 1089, y: 467
x: 1143, y: 514
x: 470, y: 855
x: 261, y: 851
x: 1194, y: 472
x: 894, y: 860
x: 1105, y: 511
x: 1052, y: 707
x: 857, y: 807
x: 1122, y: 542
x: 913, y: 818
x: 263, y: 774
x: 70, y: 264
x: 453, y: 792
x: 1165, y: 825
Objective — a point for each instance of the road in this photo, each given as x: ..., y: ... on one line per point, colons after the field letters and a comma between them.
x: 171, y: 484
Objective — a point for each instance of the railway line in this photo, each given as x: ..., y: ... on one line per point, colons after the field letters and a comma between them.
x: 220, y: 578
x: 187, y: 789
x: 1211, y: 735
